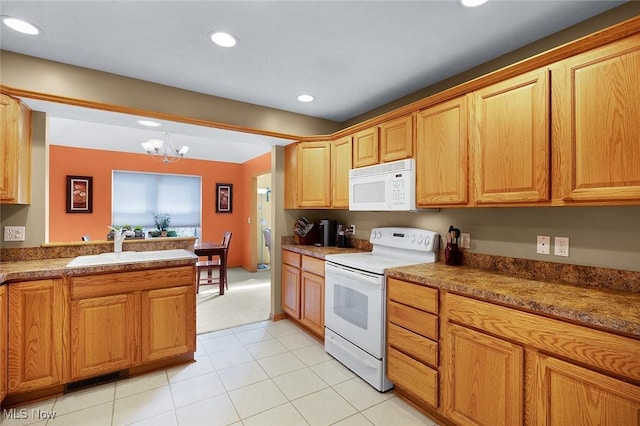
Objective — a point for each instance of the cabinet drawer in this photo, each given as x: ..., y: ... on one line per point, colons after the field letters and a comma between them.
x: 412, y: 344
x: 291, y: 258
x: 413, y: 376
x: 421, y: 297
x: 126, y: 282
x: 413, y: 319
x: 313, y: 265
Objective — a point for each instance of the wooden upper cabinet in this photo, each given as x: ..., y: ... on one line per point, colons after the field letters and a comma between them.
x: 314, y: 174
x: 510, y: 140
x: 290, y: 176
x: 365, y: 147
x: 442, y: 154
x: 596, y: 130
x: 15, y: 151
x: 396, y: 139
x: 341, y: 160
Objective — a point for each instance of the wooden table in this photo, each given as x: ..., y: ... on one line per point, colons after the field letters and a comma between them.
x: 210, y: 250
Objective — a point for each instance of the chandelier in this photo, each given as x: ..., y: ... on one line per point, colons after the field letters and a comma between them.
x: 163, y: 150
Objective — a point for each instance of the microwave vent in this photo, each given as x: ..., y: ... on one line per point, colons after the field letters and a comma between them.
x: 394, y: 166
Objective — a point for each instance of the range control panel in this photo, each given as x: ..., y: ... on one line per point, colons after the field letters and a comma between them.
x: 405, y: 238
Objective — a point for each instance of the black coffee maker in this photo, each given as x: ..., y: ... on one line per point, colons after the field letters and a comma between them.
x: 327, y: 232
x: 341, y: 235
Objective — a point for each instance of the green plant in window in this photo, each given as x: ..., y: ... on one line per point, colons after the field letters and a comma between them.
x: 162, y: 221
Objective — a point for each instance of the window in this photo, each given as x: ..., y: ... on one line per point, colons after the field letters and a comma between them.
x: 136, y: 197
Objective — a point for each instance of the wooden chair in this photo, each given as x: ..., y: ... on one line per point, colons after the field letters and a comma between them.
x: 220, y: 263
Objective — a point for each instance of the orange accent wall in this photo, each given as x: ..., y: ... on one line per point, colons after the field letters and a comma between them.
x: 100, y: 164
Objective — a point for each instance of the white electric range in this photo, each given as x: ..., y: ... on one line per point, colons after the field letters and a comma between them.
x: 355, y: 293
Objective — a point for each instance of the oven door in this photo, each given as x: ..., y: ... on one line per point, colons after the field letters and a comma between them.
x: 354, y: 307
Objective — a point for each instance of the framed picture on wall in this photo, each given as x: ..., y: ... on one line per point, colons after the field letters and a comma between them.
x: 79, y: 194
x: 224, y: 197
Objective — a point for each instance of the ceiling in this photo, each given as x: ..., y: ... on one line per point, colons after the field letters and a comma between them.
x: 352, y: 56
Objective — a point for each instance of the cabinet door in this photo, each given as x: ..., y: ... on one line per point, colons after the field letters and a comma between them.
x: 38, y: 342
x: 483, y: 378
x: 3, y: 342
x: 596, y: 132
x: 15, y: 151
x: 441, y: 152
x: 291, y: 291
x: 314, y: 174
x: 510, y: 140
x: 162, y: 339
x: 312, y: 302
x: 340, y: 166
x: 565, y: 394
x: 396, y: 139
x: 365, y: 147
x: 104, y: 335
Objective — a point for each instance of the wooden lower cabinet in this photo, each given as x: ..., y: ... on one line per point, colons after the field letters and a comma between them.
x: 412, y: 340
x: 303, y: 290
x: 502, y: 366
x: 125, y: 319
x: 38, y: 334
x: 312, y: 302
x: 483, y: 379
x: 566, y: 394
x: 3, y: 341
x: 291, y: 283
x: 162, y: 338
x: 103, y: 334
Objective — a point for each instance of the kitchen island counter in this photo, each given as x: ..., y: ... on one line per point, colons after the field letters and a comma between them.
x: 55, y: 268
x: 610, y: 309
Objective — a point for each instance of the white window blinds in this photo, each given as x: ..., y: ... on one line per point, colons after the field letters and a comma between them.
x: 137, y: 196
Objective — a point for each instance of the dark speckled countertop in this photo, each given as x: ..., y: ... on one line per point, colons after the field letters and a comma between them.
x: 319, y: 252
x: 55, y: 268
x: 611, y: 309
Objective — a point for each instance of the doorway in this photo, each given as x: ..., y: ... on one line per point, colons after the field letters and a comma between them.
x: 263, y: 222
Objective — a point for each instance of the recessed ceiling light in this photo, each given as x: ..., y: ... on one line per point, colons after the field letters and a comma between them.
x: 223, y: 39
x: 473, y: 3
x: 148, y: 123
x: 305, y: 98
x: 21, y: 26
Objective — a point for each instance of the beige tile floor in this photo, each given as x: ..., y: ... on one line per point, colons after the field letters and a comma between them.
x: 267, y: 373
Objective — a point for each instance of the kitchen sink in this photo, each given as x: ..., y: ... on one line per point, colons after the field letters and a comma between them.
x: 129, y: 257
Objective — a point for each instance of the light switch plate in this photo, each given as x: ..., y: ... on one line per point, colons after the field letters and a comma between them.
x: 14, y: 233
x: 543, y: 244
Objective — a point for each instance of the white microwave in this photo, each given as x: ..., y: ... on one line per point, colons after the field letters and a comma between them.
x: 384, y: 187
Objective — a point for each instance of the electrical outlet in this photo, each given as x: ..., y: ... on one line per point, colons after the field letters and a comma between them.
x: 351, y: 230
x: 14, y: 233
x: 543, y: 244
x: 561, y: 246
x: 465, y: 240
